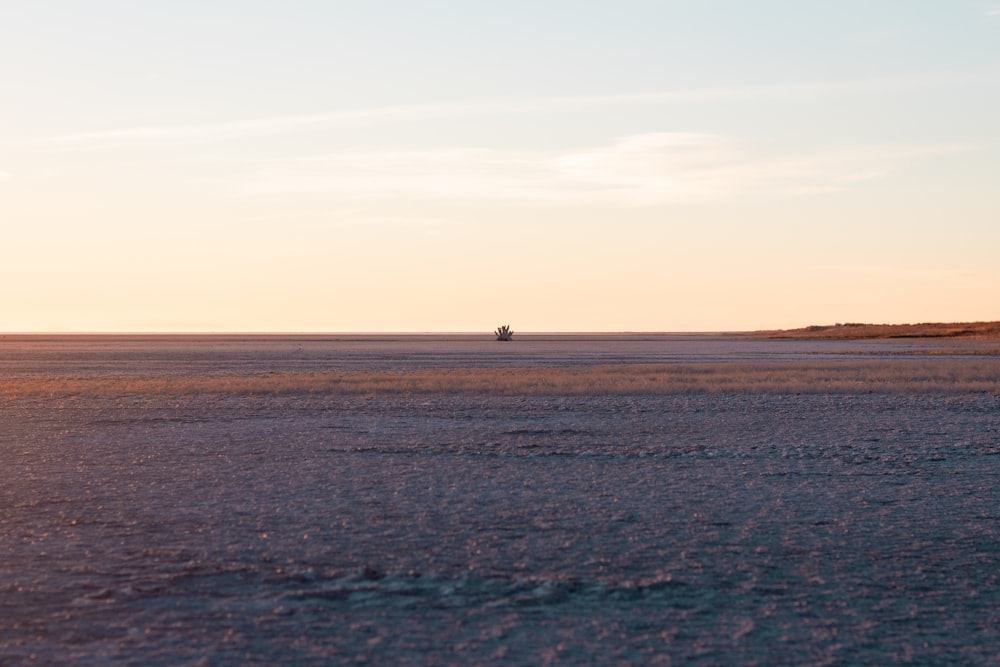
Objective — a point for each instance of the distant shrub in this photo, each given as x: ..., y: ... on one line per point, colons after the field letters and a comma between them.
x: 504, y: 333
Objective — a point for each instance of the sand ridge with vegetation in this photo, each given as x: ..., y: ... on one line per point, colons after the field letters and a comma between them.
x: 853, y: 330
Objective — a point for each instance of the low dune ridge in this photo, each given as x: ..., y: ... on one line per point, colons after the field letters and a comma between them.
x: 853, y: 330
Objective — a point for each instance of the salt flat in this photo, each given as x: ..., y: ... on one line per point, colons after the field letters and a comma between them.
x: 167, y: 354
x: 157, y: 518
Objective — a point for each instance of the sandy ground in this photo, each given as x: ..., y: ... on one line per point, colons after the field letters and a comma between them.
x: 161, y: 524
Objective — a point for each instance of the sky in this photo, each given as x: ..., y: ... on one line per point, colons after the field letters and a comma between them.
x: 446, y: 166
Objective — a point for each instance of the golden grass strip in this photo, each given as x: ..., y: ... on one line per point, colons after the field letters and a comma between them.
x: 939, y: 375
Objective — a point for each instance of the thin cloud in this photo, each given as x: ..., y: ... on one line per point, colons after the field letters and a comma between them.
x: 636, y: 170
x: 352, y: 218
x: 212, y: 132
x: 992, y: 10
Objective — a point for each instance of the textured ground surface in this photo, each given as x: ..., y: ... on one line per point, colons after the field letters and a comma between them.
x: 458, y: 529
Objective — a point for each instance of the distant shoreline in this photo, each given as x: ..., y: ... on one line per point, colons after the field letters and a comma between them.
x: 840, y: 331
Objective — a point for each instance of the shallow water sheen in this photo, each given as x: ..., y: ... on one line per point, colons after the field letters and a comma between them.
x: 766, y: 529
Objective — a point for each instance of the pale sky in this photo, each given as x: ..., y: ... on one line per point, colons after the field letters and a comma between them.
x: 308, y: 165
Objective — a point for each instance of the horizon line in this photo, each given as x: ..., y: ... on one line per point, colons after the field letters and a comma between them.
x: 484, y: 333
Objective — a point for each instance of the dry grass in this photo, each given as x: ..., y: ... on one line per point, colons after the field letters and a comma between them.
x: 933, y: 375
x: 974, y: 330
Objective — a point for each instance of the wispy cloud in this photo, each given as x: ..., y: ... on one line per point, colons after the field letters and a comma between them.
x: 356, y: 217
x: 641, y: 169
x: 992, y: 10
x: 223, y: 131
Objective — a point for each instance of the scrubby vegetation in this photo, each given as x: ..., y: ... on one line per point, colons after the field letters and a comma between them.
x: 855, y: 330
x: 504, y: 333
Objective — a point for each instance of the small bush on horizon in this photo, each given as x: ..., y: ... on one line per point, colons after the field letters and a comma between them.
x: 504, y: 333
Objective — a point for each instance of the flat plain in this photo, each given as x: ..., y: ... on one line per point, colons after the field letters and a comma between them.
x: 449, y: 499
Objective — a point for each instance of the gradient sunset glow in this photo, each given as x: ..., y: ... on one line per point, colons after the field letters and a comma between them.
x: 451, y: 166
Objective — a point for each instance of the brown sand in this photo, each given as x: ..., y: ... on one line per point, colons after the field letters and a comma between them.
x: 854, y: 331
